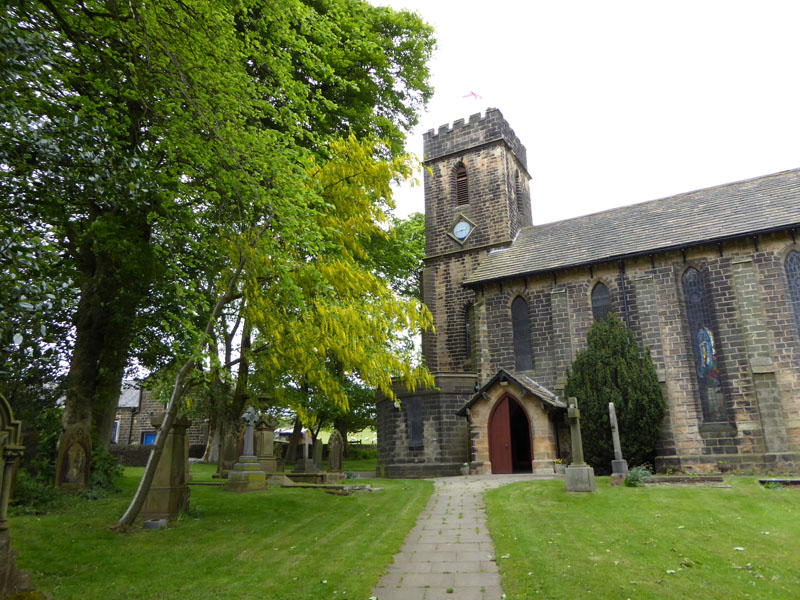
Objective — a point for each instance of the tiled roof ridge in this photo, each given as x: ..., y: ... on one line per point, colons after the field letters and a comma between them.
x: 666, y: 198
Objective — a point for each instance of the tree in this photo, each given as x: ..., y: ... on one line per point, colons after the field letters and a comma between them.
x: 139, y: 138
x: 613, y: 369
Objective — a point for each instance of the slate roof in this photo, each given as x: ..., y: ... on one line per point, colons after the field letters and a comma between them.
x: 523, y: 381
x: 129, y: 395
x: 759, y: 205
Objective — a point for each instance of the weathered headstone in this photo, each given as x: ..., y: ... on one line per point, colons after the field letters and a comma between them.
x: 74, y: 456
x: 335, y: 452
x: 247, y: 475
x: 228, y: 452
x: 306, y: 464
x: 12, y: 580
x: 318, y: 448
x: 265, y: 443
x: 169, y: 494
x: 580, y: 476
x: 619, y: 466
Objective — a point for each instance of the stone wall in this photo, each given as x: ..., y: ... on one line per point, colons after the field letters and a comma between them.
x: 757, y: 341
x: 134, y: 423
x: 423, y: 436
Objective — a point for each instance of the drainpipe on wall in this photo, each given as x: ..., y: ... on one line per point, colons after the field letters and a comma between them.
x: 133, y: 413
x: 624, y: 294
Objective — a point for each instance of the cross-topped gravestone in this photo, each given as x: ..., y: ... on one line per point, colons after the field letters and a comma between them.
x: 247, y: 475
x: 580, y: 476
x: 619, y: 466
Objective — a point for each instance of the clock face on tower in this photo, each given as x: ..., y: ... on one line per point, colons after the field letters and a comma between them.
x: 462, y: 230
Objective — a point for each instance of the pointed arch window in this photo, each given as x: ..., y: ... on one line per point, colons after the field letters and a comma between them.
x: 792, y: 265
x: 699, y: 316
x: 601, y: 301
x: 462, y: 194
x: 521, y: 326
x: 468, y: 319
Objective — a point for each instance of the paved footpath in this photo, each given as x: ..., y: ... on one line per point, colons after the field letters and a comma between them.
x: 449, y: 554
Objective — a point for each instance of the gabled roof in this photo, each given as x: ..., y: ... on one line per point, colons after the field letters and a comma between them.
x: 523, y: 381
x: 129, y: 395
x: 749, y: 207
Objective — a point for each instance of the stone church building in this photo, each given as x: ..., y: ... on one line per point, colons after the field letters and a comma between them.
x: 708, y: 280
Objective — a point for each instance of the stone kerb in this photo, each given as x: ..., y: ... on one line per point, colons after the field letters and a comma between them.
x: 74, y: 457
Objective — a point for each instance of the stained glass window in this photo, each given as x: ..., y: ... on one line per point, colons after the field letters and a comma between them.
x: 698, y: 312
x: 520, y: 322
x: 601, y: 301
x: 793, y: 276
x: 462, y: 195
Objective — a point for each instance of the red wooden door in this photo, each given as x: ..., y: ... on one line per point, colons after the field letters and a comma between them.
x: 500, y: 439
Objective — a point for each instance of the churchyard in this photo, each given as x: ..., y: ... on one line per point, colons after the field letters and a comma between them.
x: 619, y: 542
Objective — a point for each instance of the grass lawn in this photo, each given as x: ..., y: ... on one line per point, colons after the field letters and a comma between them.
x: 277, y: 544
x: 666, y: 542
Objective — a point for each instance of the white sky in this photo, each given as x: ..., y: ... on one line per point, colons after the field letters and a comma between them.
x: 620, y: 102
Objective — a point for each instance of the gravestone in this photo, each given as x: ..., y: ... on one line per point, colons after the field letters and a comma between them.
x: 169, y: 494
x: 335, y: 452
x: 228, y: 453
x: 12, y: 580
x: 619, y: 466
x: 265, y: 443
x: 247, y: 475
x: 318, y: 449
x: 74, y: 457
x: 580, y: 476
x: 305, y: 464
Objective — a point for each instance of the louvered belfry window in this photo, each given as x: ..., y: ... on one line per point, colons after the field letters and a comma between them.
x: 792, y: 265
x: 462, y: 195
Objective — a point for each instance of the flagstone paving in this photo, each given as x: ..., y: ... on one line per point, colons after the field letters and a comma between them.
x: 449, y: 553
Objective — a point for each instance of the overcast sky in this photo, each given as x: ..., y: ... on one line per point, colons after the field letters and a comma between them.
x: 620, y: 102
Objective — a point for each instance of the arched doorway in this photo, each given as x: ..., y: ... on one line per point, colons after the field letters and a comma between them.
x: 509, y: 438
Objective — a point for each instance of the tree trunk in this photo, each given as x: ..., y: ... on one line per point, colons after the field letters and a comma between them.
x: 178, y: 389
x: 104, y: 328
x: 291, y: 452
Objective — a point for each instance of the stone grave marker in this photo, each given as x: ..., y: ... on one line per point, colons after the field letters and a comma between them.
x: 228, y: 452
x: 318, y: 450
x: 169, y: 494
x: 74, y: 457
x: 335, y: 452
x: 580, y: 476
x: 306, y: 464
x: 12, y: 580
x: 265, y: 443
x: 619, y: 466
x: 247, y: 475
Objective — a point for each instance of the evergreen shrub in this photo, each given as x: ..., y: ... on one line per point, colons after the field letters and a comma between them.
x: 613, y: 369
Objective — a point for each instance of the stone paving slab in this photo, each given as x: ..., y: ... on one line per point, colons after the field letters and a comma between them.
x: 449, y: 554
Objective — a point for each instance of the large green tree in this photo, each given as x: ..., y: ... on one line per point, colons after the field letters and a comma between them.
x: 612, y: 368
x: 154, y: 144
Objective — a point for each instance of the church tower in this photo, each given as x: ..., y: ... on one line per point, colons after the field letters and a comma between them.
x: 476, y: 200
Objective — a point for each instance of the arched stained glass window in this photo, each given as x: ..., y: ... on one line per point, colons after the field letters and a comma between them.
x: 601, y: 301
x: 792, y: 265
x: 520, y: 322
x: 462, y: 194
x: 698, y: 312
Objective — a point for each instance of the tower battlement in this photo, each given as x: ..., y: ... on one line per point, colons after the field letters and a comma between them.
x: 479, y: 130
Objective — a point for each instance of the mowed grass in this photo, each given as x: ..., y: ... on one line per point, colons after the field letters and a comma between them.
x: 665, y: 542
x: 277, y: 544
